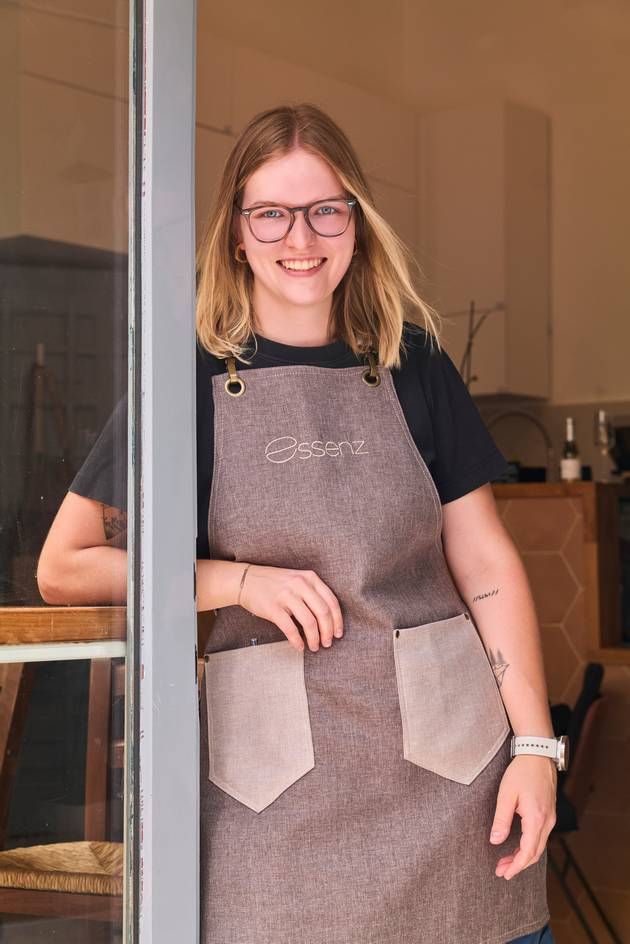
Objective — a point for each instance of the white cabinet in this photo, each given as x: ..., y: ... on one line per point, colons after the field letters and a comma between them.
x: 484, y: 235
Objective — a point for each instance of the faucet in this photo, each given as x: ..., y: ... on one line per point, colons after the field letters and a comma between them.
x: 539, y: 426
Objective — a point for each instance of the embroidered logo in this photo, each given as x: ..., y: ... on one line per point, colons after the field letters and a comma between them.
x: 285, y: 448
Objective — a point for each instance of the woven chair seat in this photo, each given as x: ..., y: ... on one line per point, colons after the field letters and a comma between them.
x: 87, y: 868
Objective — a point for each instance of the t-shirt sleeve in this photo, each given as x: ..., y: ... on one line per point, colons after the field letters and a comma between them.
x: 103, y: 475
x: 465, y: 454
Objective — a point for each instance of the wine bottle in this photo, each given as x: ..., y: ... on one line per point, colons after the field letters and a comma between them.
x: 570, y: 463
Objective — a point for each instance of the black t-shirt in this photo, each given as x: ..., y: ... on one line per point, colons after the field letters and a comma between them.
x: 442, y: 418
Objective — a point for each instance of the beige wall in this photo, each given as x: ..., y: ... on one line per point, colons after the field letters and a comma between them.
x: 250, y: 80
x: 9, y: 113
x: 374, y: 66
x: 567, y: 59
x: 65, y: 141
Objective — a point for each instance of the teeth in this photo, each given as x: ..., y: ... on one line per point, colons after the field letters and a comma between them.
x: 301, y: 264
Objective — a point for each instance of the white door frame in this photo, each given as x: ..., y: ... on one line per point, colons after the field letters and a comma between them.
x: 163, y: 777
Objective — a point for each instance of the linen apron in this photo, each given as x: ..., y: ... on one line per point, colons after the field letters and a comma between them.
x: 347, y: 794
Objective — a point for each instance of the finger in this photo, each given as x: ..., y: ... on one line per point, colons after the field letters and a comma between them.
x: 320, y: 608
x: 506, y: 859
x: 333, y: 603
x: 503, y: 816
x: 285, y: 624
x: 305, y: 617
x: 530, y: 839
x: 504, y: 862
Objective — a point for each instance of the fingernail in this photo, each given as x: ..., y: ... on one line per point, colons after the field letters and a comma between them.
x: 327, y: 644
x: 495, y: 835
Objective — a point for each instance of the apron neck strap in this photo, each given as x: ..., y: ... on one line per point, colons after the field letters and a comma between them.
x: 235, y: 385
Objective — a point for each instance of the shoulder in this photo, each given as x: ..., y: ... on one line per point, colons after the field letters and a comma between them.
x: 429, y: 371
x: 424, y: 362
x: 419, y: 348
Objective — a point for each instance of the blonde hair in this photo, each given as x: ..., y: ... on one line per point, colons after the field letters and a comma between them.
x: 368, y: 308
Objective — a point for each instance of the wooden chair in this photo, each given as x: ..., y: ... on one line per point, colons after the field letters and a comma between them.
x: 75, y: 879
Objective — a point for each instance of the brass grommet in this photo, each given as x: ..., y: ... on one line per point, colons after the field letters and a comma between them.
x: 370, y: 375
x: 397, y: 633
x: 240, y: 387
x: 233, y: 379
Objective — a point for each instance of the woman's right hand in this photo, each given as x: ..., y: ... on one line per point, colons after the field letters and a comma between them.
x: 282, y: 595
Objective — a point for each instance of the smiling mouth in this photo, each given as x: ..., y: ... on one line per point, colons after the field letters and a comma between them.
x: 302, y: 265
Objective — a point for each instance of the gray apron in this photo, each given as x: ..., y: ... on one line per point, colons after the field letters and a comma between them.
x: 347, y: 794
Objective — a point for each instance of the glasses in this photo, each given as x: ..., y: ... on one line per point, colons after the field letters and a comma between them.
x: 270, y: 224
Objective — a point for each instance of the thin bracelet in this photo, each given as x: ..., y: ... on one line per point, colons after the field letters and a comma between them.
x: 238, y: 600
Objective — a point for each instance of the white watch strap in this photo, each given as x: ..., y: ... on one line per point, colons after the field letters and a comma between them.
x: 547, y: 747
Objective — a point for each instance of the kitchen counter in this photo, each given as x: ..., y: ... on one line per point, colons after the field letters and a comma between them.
x: 562, y: 489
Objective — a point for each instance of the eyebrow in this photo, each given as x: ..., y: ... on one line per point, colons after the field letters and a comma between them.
x: 257, y: 203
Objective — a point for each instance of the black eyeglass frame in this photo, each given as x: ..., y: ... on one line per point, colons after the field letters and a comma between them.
x: 350, y: 201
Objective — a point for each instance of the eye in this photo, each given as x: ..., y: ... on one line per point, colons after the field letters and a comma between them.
x: 268, y: 213
x: 327, y: 210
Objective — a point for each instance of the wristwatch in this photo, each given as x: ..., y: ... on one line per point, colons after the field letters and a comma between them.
x: 557, y: 748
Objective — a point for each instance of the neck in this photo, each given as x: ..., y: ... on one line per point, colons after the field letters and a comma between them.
x: 299, y: 325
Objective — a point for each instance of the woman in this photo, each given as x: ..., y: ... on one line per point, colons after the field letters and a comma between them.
x: 366, y: 794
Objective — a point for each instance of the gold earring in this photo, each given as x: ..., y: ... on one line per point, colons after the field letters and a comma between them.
x: 237, y: 257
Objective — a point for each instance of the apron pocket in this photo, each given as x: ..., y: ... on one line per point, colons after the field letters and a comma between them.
x: 453, y: 717
x: 259, y: 730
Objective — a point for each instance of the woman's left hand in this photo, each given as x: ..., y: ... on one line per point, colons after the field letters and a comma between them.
x: 528, y: 787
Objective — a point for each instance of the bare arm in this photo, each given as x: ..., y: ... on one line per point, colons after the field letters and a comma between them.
x: 218, y: 583
x: 491, y: 579
x: 84, y: 563
x: 84, y: 560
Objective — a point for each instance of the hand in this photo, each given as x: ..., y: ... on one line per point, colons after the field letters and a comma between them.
x: 528, y: 787
x: 282, y: 595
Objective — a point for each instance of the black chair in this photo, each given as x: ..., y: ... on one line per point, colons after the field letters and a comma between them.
x: 583, y: 725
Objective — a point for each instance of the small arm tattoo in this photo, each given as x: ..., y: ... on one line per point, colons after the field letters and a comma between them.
x: 114, y: 522
x: 499, y: 665
x: 483, y: 596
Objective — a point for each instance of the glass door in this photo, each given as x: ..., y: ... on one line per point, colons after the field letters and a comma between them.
x: 98, y: 696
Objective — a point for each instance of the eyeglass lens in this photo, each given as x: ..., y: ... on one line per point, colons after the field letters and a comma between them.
x: 269, y: 223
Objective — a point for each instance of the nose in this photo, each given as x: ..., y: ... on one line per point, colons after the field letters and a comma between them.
x: 301, y: 235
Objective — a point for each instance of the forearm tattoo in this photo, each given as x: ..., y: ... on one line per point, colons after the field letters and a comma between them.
x: 114, y: 522
x: 483, y: 596
x: 499, y: 665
